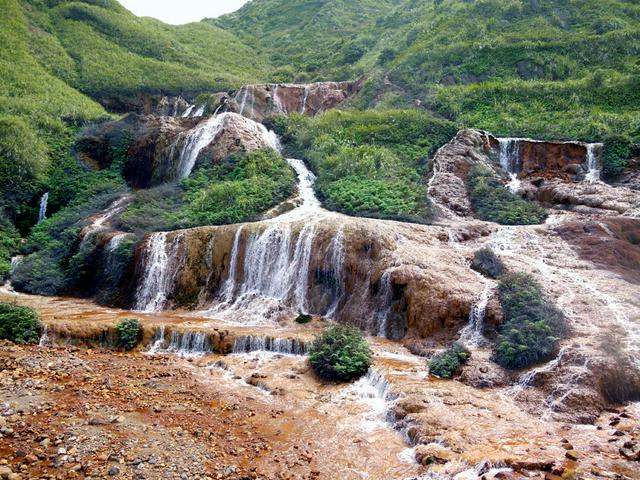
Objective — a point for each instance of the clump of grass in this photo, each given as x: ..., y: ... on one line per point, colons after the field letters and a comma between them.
x: 340, y: 354
x: 447, y: 363
x: 19, y: 324
x: 129, y: 332
x: 491, y: 201
x: 532, y: 326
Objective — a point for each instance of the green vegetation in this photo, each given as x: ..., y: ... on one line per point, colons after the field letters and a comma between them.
x: 616, y: 154
x: 19, y: 324
x: 371, y: 163
x: 129, y: 331
x: 447, y: 363
x: 493, y: 202
x: 538, y: 68
x: 303, y: 318
x: 487, y: 263
x: 340, y: 354
x: 9, y: 239
x: 532, y: 326
x: 237, y: 190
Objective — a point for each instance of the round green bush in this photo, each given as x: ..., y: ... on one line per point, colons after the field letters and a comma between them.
x: 446, y: 364
x: 616, y: 153
x: 303, y: 318
x: 129, y: 331
x: 340, y: 354
x: 19, y: 324
x: 487, y: 263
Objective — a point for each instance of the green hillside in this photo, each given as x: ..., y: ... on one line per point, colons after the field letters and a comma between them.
x: 549, y: 68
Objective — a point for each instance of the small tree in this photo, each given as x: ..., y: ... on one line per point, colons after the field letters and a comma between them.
x: 19, y: 324
x: 129, y: 330
x: 341, y: 353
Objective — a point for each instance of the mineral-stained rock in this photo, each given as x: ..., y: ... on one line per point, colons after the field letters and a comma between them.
x: 260, y: 101
x: 158, y: 149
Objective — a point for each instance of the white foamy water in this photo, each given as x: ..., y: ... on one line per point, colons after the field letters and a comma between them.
x: 510, y: 160
x: 472, y: 334
x: 42, y: 213
x: 262, y: 343
x: 308, y: 202
x: 160, y: 267
x: 593, y: 163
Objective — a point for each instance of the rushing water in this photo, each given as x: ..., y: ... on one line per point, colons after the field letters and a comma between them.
x: 509, y: 155
x: 42, y: 213
x: 263, y: 343
x: 303, y: 108
x: 472, y: 334
x: 160, y: 267
x: 593, y: 162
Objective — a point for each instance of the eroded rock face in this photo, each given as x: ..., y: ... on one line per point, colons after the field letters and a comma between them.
x: 165, y: 149
x: 451, y: 166
x: 260, y: 101
x: 355, y: 272
x: 548, y: 159
x: 612, y: 243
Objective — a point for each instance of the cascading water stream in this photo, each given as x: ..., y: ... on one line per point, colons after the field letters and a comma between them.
x: 187, y: 112
x: 593, y: 163
x: 309, y: 203
x: 472, y: 334
x: 303, y: 109
x: 286, y: 346
x: 509, y: 155
x: 277, y: 101
x: 160, y: 270
x: 42, y: 213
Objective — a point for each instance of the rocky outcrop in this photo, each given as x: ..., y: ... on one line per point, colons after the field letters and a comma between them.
x: 450, y: 170
x: 612, y: 243
x: 257, y: 273
x: 261, y: 101
x: 165, y: 149
x: 544, y: 158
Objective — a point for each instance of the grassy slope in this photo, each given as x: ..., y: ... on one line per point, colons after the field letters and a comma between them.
x: 551, y: 68
x: 309, y: 39
x: 104, y: 50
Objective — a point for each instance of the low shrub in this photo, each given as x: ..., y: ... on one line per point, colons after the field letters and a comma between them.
x: 615, y: 155
x: 129, y: 331
x: 487, y: 263
x: 9, y: 239
x: 532, y: 326
x: 446, y: 364
x: 493, y: 202
x: 340, y: 354
x: 303, y: 318
x: 19, y: 324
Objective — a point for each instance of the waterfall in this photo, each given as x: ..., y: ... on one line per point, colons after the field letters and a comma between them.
x: 189, y: 344
x: 196, y: 140
x: 188, y: 111
x: 159, y: 273
x: 301, y: 261
x: 247, y: 91
x: 309, y: 202
x: 593, y: 163
x: 277, y: 102
x: 230, y: 283
x: 200, y: 111
x: 44, y: 339
x: 385, y: 304
x: 42, y: 214
x: 159, y: 342
x: 287, y: 346
x: 510, y: 160
x: 303, y: 109
x: 374, y: 391
x: 472, y: 334
x: 336, y: 260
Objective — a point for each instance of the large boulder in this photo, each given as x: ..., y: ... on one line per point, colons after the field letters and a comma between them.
x: 165, y: 149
